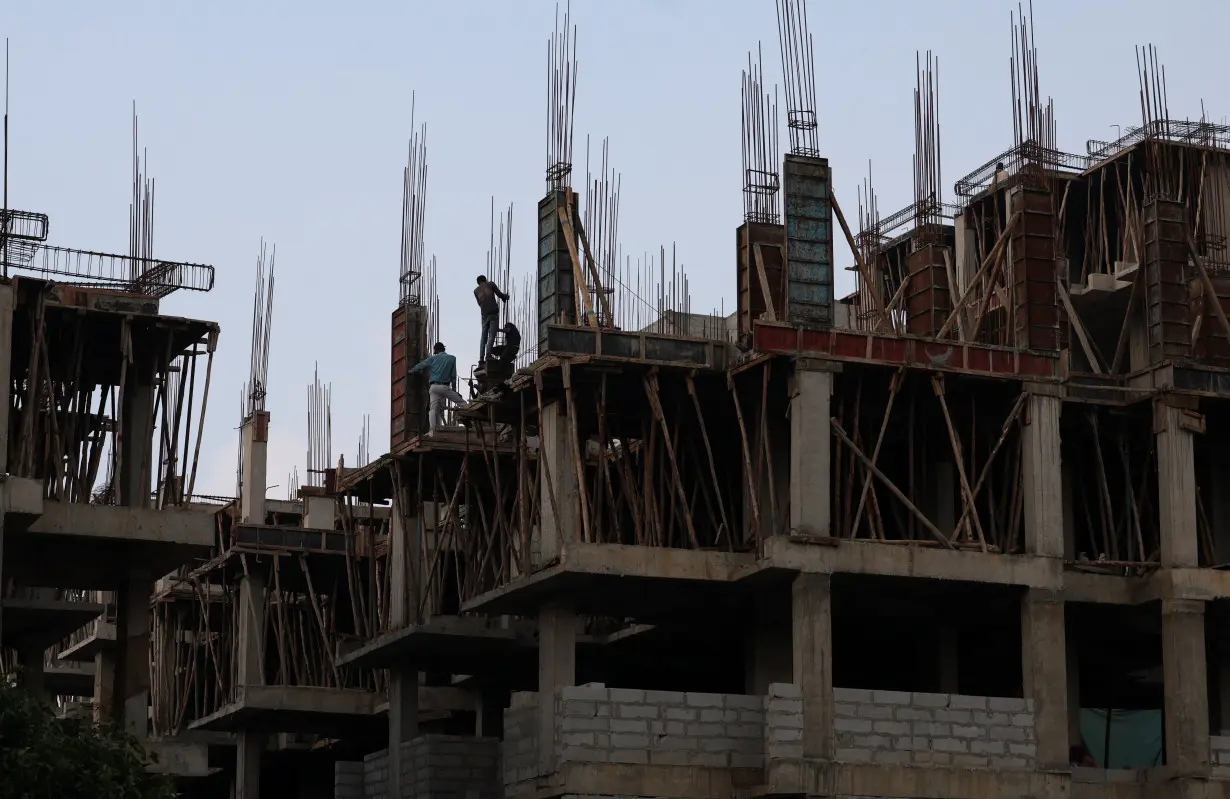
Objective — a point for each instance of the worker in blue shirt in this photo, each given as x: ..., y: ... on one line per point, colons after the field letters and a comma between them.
x: 441, y: 371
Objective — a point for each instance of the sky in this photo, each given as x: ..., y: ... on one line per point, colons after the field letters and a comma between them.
x: 288, y: 121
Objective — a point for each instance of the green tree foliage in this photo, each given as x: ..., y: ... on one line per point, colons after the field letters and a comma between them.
x: 45, y: 757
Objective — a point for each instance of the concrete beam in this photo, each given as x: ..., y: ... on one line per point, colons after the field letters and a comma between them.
x: 868, y: 557
x: 271, y: 708
x: 168, y: 526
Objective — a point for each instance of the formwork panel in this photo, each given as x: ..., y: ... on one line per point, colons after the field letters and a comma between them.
x: 1035, y: 277
x: 408, y: 393
x: 809, y: 241
x: 772, y: 241
x: 1167, y: 298
x: 557, y: 289
x: 928, y: 300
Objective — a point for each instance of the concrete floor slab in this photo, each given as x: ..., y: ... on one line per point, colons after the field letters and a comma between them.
x: 44, y: 621
x: 624, y: 581
x: 453, y: 644
x: 270, y: 709
x: 101, y: 640
x: 94, y: 543
x: 69, y: 679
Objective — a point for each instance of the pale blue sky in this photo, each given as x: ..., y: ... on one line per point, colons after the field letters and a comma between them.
x: 289, y: 121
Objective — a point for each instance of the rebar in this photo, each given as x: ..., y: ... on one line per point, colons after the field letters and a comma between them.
x: 760, y: 151
x: 262, y: 329
x: 413, y: 208
x: 320, y: 430
x: 798, y: 70
x: 561, y: 100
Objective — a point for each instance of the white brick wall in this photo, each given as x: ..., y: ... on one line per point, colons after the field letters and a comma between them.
x: 945, y: 729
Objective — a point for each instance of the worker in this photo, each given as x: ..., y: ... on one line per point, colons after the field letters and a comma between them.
x: 485, y: 294
x: 511, y: 346
x: 441, y: 371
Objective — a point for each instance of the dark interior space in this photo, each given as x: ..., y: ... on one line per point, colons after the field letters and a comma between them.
x: 700, y: 655
x: 904, y: 634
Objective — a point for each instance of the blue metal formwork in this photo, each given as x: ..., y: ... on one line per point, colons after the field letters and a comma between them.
x: 809, y: 241
x: 557, y: 297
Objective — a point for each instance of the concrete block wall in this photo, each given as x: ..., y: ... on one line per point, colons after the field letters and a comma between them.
x: 519, y: 750
x: 348, y: 780
x: 783, y: 732
x: 436, y: 767
x: 1219, y: 755
x: 375, y: 774
x: 896, y: 727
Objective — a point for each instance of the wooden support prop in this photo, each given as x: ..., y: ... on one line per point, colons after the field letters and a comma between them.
x: 1079, y: 327
x: 937, y: 383
x: 992, y: 257
x: 704, y: 432
x: 593, y: 272
x: 895, y: 384
x: 1133, y: 299
x: 986, y: 467
x: 651, y: 391
x: 764, y: 283
x: 863, y: 269
x: 931, y: 528
x: 753, y: 490
x: 574, y: 438
x: 1208, y: 285
x: 952, y: 284
x: 578, y: 274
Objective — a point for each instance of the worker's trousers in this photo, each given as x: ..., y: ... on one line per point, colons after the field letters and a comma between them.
x: 491, y: 326
x: 438, y: 393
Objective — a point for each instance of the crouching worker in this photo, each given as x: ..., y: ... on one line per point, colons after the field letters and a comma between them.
x: 441, y: 371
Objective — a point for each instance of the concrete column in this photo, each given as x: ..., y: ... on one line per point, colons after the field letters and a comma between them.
x: 130, y: 696
x: 810, y: 445
x: 254, y: 468
x: 252, y: 629
x: 137, y: 447
x: 1044, y: 667
x: 1185, y: 684
x: 949, y: 646
x: 403, y: 722
x: 404, y: 564
x: 557, y: 667
x: 320, y: 513
x: 555, y: 450
x: 1176, y: 482
x: 812, y: 613
x: 30, y: 657
x: 1042, y: 473
x: 248, y: 749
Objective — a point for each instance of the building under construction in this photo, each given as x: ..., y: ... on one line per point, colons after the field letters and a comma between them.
x: 955, y: 535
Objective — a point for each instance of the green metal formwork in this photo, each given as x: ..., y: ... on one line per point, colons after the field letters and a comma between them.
x: 809, y: 241
x: 557, y: 297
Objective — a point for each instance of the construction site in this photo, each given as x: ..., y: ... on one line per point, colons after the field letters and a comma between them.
x: 956, y: 534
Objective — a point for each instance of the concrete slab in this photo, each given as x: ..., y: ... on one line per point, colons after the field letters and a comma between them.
x: 180, y: 758
x: 101, y: 640
x: 23, y: 497
x: 44, y: 621
x: 94, y: 543
x: 69, y: 679
x: 452, y: 644
x: 624, y: 581
x: 840, y: 556
x: 271, y: 709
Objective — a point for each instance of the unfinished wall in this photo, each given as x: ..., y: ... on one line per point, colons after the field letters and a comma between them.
x: 348, y: 780
x: 435, y: 767
x: 897, y: 727
x: 596, y: 724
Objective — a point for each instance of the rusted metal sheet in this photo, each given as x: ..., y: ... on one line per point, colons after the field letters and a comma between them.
x: 809, y: 241
x: 652, y: 348
x: 1167, y: 298
x: 904, y: 350
x: 752, y: 305
x: 928, y: 302
x: 1035, y: 297
x: 557, y: 289
x: 408, y: 393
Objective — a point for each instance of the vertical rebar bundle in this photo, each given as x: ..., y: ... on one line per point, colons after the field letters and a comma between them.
x: 799, y: 73
x: 320, y: 430
x: 760, y: 145
x: 928, y: 183
x: 365, y: 442
x: 262, y: 329
x: 429, y: 299
x: 141, y: 209
x: 499, y: 254
x: 601, y: 221
x: 561, y: 100
x: 1161, y: 171
x: 870, y: 240
x: 413, y: 206
x: 1032, y: 123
